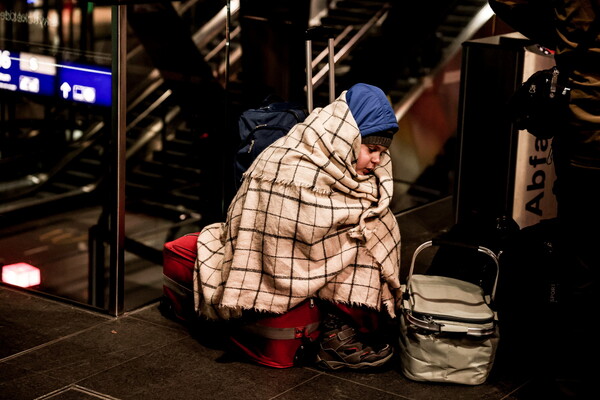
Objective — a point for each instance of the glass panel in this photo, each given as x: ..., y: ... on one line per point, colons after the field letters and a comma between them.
x: 55, y: 126
x: 58, y: 150
x: 175, y: 132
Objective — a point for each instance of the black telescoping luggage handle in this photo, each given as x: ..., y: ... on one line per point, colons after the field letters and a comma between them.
x: 311, y: 34
x: 445, y: 242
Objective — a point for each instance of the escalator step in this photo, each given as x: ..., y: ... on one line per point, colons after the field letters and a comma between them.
x: 186, y: 134
x: 174, y: 172
x: 60, y: 187
x: 168, y: 212
x: 176, y: 158
x: 349, y: 16
x: 178, y: 146
x: 95, y: 162
x: 75, y: 178
x: 458, y: 20
x: 468, y: 10
x: 365, y: 4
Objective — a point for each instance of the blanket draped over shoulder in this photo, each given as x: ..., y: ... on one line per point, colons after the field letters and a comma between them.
x: 304, y: 224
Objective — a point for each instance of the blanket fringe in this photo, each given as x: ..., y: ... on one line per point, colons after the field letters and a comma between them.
x: 285, y: 182
x: 227, y: 312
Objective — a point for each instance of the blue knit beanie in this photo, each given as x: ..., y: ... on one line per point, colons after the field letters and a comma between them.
x: 373, y: 113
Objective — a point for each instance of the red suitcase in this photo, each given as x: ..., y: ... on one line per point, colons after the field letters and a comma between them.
x: 179, y: 257
x: 281, y: 341
x: 278, y: 341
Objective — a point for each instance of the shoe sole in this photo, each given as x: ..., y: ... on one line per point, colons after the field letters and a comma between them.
x: 334, y: 365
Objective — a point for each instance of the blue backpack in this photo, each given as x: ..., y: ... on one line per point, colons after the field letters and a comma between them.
x: 259, y: 127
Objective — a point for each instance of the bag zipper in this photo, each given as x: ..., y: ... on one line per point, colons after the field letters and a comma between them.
x: 433, y: 317
x: 554, y: 82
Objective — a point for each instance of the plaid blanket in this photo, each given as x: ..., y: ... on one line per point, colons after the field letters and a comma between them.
x: 304, y: 224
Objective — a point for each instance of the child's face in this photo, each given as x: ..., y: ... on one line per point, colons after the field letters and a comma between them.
x: 369, y: 158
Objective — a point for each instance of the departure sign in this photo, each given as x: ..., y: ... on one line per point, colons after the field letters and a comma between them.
x: 38, y: 74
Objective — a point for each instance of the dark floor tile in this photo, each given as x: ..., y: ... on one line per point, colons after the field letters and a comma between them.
x: 330, y: 386
x: 18, y: 383
x: 188, y: 370
x: 28, y: 320
x: 97, y: 349
x: 549, y: 389
x: 75, y: 392
x: 151, y: 313
x: 391, y: 380
x: 212, y: 334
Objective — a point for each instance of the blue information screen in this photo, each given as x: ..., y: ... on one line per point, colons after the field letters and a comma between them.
x: 84, y: 84
x: 42, y: 75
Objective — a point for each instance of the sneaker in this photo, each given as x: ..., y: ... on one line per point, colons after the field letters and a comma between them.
x: 339, y: 348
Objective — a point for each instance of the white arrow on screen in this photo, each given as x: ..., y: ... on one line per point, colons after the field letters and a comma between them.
x: 65, y: 89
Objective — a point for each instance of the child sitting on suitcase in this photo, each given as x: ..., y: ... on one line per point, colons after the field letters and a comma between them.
x: 311, y: 220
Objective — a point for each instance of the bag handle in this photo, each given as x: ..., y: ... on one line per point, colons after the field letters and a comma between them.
x: 445, y: 242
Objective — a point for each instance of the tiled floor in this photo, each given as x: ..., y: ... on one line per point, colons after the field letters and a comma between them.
x: 52, y: 350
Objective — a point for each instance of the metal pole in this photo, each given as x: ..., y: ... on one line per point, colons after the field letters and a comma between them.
x: 118, y: 147
x: 227, y: 43
x: 331, y: 70
x: 309, y: 72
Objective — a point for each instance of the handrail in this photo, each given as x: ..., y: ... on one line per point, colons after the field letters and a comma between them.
x: 401, y: 108
x: 155, y: 104
x: 151, y: 131
x: 344, y: 51
x: 91, y: 138
x: 201, y: 38
x: 215, y: 26
x: 221, y: 45
x: 336, y: 41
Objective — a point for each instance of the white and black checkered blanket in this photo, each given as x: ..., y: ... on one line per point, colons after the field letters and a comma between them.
x: 304, y: 224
